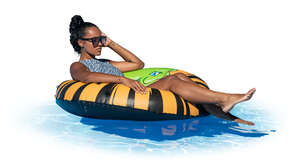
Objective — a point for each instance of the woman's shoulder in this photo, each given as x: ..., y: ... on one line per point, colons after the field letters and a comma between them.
x: 76, y: 63
x: 78, y: 71
x: 77, y: 66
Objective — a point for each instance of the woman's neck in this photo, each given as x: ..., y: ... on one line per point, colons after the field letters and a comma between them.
x: 85, y: 56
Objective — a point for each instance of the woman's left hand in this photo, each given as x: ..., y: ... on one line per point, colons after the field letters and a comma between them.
x: 108, y: 40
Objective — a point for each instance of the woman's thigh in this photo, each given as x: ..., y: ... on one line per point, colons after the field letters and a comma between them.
x: 163, y: 83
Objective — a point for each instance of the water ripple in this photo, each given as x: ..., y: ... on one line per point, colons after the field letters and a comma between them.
x: 182, y: 136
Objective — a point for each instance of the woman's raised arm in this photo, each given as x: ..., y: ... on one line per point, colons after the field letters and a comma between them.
x: 132, y: 62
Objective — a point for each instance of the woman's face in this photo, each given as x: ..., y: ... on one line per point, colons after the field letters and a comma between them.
x: 87, y: 45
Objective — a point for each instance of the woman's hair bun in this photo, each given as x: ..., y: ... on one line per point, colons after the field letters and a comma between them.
x: 77, y: 29
x: 76, y: 21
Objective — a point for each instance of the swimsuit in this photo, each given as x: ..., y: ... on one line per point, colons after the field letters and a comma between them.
x: 102, y: 66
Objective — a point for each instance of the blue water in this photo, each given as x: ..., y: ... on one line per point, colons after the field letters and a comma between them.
x: 205, y: 134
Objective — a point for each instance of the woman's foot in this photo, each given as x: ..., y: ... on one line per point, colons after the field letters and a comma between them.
x: 235, y: 99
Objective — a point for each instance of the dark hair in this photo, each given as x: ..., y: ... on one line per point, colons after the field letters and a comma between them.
x: 77, y: 30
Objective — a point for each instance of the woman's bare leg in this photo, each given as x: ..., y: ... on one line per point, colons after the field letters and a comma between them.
x: 167, y: 82
x: 185, y: 78
x: 225, y: 109
x: 195, y: 93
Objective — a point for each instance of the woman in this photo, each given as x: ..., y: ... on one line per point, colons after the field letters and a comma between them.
x: 87, y: 40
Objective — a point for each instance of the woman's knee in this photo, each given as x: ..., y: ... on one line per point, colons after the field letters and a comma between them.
x: 165, y: 83
x: 172, y: 77
x: 171, y: 80
x: 180, y: 75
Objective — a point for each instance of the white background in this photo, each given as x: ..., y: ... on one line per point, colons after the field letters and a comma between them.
x: 233, y: 45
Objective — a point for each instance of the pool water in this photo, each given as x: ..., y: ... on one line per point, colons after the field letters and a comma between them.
x: 204, y: 134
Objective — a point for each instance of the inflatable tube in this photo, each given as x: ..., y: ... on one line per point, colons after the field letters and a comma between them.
x: 117, y: 101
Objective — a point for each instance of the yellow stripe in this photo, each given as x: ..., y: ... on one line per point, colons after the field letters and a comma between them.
x: 91, y: 91
x: 141, y: 101
x: 113, y: 94
x: 188, y: 74
x: 169, y: 102
x: 72, y: 81
x: 198, y: 80
x: 193, y: 110
x: 179, y: 71
x: 72, y: 90
x: 202, y: 86
x: 61, y: 85
x: 121, y: 95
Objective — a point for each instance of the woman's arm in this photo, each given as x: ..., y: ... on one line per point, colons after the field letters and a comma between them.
x: 131, y: 62
x: 81, y: 73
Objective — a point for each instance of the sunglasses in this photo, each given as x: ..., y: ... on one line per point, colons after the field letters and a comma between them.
x: 96, y: 40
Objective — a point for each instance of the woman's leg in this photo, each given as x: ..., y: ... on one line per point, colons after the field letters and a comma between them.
x: 214, y: 109
x: 183, y: 77
x: 195, y: 93
x: 187, y: 90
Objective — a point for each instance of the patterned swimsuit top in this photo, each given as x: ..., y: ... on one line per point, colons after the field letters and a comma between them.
x: 101, y: 65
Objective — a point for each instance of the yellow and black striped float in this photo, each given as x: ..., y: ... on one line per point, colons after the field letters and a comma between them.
x: 117, y: 101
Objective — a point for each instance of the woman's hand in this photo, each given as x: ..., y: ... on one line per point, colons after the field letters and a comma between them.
x: 108, y: 40
x: 136, y: 85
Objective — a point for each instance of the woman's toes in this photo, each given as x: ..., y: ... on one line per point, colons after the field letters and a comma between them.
x: 247, y: 96
x: 235, y: 99
x: 251, y: 92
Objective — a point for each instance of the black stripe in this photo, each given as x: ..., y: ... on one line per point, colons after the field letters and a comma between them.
x: 78, y: 92
x: 130, y: 99
x: 180, y: 109
x: 155, y: 101
x: 187, y: 108
x: 61, y: 84
x: 63, y: 91
x: 201, y: 84
x: 113, y: 98
x: 194, y: 76
x: 218, y: 112
x: 105, y: 93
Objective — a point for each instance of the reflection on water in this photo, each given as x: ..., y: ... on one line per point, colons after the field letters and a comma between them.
x: 152, y: 136
x: 170, y: 130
